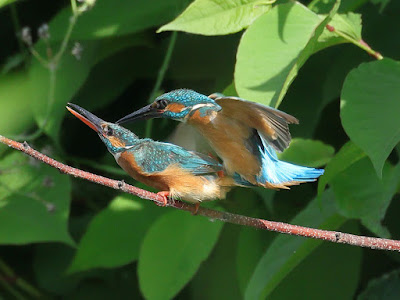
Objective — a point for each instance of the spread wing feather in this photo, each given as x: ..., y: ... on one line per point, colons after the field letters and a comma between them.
x: 272, y: 124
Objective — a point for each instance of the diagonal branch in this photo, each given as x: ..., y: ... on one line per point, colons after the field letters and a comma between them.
x: 331, y: 236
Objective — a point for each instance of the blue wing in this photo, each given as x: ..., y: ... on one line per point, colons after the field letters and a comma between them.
x: 154, y: 156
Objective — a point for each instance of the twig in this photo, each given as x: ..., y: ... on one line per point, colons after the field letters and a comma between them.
x: 160, y: 77
x: 332, y: 236
x: 19, y: 282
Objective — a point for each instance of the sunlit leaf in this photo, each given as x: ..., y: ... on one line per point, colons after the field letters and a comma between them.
x: 269, y: 49
x: 217, y: 17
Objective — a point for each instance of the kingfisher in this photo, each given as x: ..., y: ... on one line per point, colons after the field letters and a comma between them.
x: 244, y: 134
x: 177, y: 172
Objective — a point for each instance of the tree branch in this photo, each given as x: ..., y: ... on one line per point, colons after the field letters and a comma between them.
x: 331, y: 236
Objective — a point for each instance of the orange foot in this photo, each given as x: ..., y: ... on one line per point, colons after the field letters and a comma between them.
x: 165, y: 195
x: 221, y: 174
x: 196, y: 208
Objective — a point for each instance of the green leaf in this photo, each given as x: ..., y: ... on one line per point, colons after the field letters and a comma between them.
x: 348, y: 155
x: 360, y: 194
x: 370, y: 103
x: 117, y: 17
x: 309, y: 153
x: 118, y: 231
x: 270, y: 49
x: 311, y: 280
x: 172, y: 252
x: 385, y: 287
x: 286, y: 251
x: 309, y: 49
x: 217, y: 17
x: 34, y: 202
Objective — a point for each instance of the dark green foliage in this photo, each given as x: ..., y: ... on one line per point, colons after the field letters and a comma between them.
x: 62, y: 237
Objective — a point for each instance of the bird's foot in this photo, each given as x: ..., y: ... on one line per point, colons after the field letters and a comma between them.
x: 196, y: 208
x: 221, y: 174
x: 165, y: 196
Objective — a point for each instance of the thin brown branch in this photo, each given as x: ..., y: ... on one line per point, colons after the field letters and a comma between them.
x: 332, y: 236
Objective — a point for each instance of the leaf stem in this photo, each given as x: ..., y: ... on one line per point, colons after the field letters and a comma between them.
x: 359, y: 43
x: 160, y: 77
x: 326, y: 235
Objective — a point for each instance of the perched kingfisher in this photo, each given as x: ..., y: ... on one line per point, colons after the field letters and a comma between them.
x: 246, y: 135
x: 178, y: 173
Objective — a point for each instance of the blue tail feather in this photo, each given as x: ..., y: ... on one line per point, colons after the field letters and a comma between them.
x: 276, y: 172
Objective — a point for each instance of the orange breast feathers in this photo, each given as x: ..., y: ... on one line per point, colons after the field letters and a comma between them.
x: 179, y: 182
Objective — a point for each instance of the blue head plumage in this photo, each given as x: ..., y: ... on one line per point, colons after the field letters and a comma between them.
x: 115, y: 137
x: 177, y: 104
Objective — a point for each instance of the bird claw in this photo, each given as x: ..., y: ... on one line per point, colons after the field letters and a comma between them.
x: 166, y: 199
x: 196, y: 208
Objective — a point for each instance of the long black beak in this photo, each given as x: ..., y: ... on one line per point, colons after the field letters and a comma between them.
x: 145, y: 113
x: 86, y: 117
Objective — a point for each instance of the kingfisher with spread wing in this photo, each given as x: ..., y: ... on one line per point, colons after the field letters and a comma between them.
x: 246, y: 135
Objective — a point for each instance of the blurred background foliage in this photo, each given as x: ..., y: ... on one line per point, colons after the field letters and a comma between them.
x: 67, y: 238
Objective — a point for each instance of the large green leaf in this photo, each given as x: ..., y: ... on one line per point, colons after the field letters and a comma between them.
x: 309, y: 153
x: 172, y: 252
x: 360, y: 194
x: 286, y: 251
x: 270, y: 48
x: 118, y: 231
x: 305, y: 53
x: 370, y: 103
x: 34, y: 202
x: 218, y: 17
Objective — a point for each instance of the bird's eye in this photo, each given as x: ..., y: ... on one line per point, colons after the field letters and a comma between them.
x: 162, y: 103
x: 108, y: 130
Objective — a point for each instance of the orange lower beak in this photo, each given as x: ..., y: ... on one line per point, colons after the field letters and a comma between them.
x: 85, y: 116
